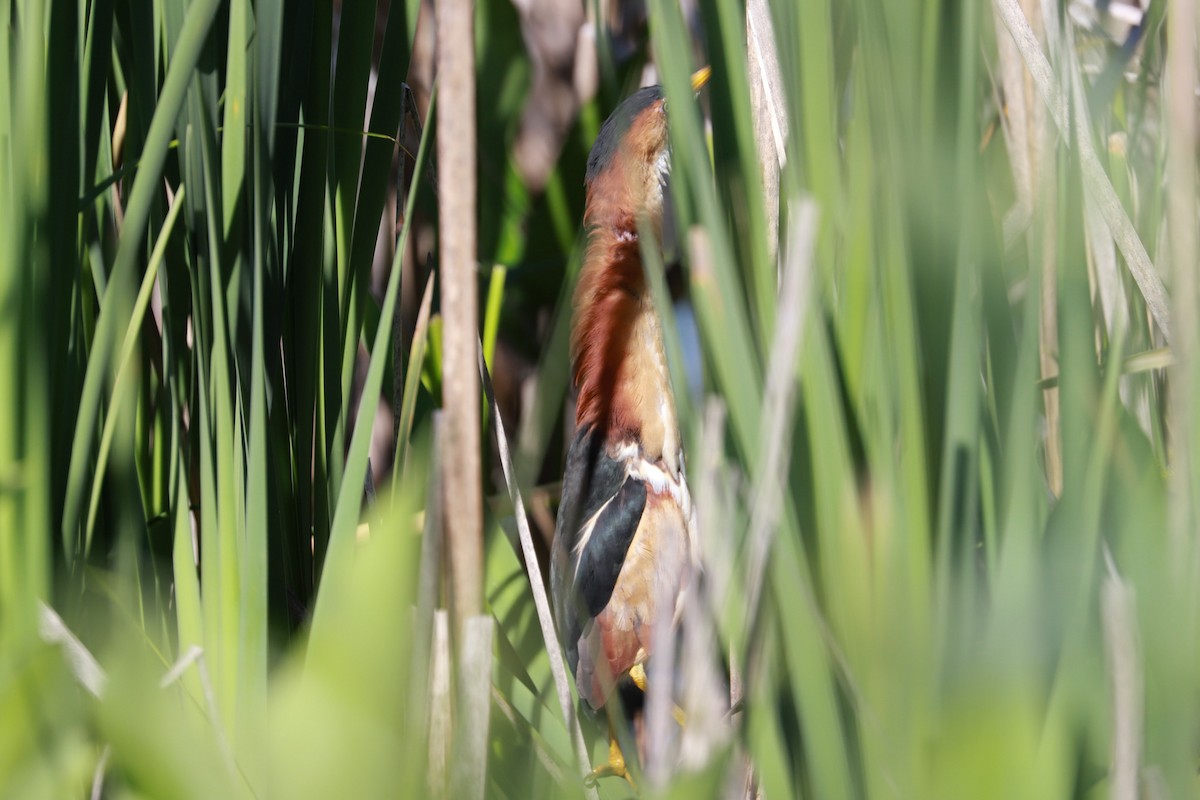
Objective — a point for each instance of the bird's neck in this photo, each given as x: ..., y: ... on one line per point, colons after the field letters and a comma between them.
x: 620, y: 363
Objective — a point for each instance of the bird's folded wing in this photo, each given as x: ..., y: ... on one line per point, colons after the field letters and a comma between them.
x: 599, y: 514
x: 603, y: 552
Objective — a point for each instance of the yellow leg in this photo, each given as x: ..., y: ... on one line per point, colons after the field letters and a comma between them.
x: 637, y: 674
x: 616, y: 762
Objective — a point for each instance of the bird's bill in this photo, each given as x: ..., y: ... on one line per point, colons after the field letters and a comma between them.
x: 700, y: 77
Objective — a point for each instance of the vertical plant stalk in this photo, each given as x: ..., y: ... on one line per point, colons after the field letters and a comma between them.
x: 456, y: 235
x: 1019, y: 131
x: 1048, y: 331
x: 439, y: 706
x: 1181, y: 222
x: 664, y: 669
x: 425, y: 631
x: 469, y: 772
x: 770, y: 115
x: 1118, y: 617
x: 779, y: 396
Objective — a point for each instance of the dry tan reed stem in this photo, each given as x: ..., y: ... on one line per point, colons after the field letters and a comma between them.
x: 767, y: 103
x: 1118, y: 617
x: 462, y: 490
x: 468, y: 774
x: 779, y: 396
x: 439, y: 706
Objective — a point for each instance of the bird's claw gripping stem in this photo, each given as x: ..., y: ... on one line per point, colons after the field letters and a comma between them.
x: 615, y: 766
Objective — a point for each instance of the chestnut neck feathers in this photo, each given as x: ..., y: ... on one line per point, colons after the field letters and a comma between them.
x: 619, y: 361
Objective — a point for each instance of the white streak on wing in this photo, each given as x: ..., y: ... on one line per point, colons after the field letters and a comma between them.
x: 585, y: 533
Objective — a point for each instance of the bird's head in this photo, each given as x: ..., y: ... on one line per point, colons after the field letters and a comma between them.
x: 630, y: 160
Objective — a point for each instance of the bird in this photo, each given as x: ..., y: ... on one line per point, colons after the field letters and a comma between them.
x: 625, y: 535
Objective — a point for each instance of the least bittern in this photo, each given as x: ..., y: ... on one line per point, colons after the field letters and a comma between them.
x: 625, y: 540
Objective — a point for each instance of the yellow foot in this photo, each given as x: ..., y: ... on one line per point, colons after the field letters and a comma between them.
x: 614, y: 767
x: 637, y: 674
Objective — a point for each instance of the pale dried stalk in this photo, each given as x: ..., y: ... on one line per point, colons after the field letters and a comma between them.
x: 1015, y: 122
x: 98, y: 773
x: 1048, y: 340
x: 1094, y: 177
x: 427, y: 586
x: 779, y: 395
x: 456, y: 235
x: 661, y: 745
x: 468, y: 776
x: 714, y: 518
x: 1017, y: 126
x: 767, y: 105
x: 439, y: 706
x: 83, y: 664
x: 1121, y: 650
x: 1181, y: 221
x: 1043, y: 187
x: 709, y: 725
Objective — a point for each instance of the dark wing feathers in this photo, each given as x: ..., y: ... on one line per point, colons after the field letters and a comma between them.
x: 602, y: 558
x: 590, y: 480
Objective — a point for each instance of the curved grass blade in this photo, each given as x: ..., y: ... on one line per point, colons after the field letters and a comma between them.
x: 199, y: 19
x: 123, y: 376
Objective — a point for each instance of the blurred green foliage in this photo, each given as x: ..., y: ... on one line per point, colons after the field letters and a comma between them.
x: 188, y: 217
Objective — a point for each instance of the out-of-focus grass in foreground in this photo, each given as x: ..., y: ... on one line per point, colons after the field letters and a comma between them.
x: 965, y: 511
